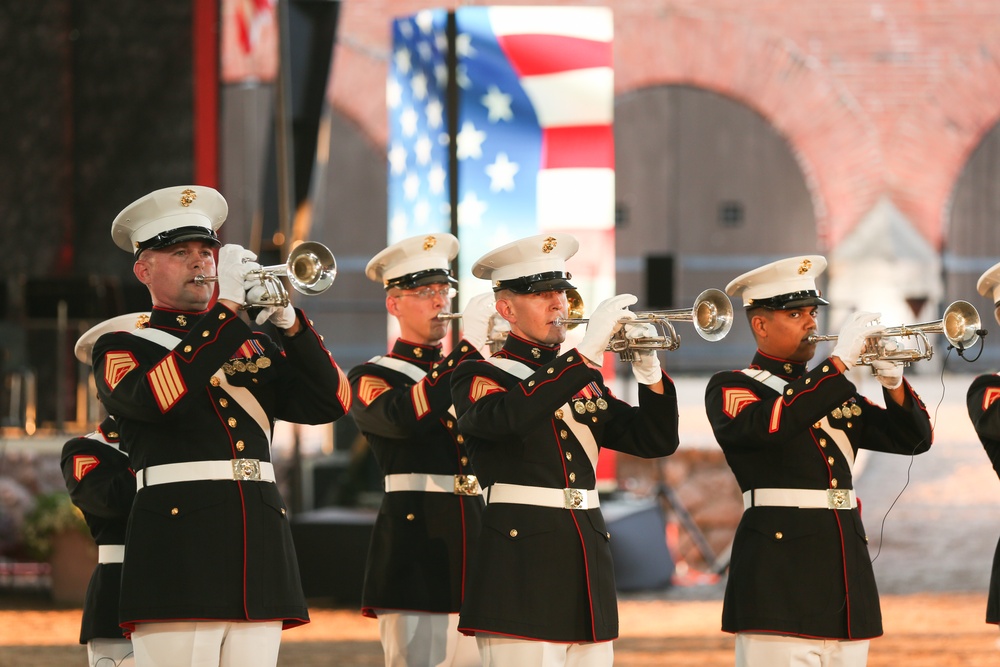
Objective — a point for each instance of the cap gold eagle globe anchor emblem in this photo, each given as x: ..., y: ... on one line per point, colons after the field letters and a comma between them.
x: 805, y: 266
x: 429, y: 242
x: 181, y: 320
x: 187, y: 197
x: 549, y: 245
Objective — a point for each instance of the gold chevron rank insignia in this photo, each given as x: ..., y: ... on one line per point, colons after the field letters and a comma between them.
x: 370, y: 388
x: 421, y: 406
x: 735, y: 399
x: 992, y: 394
x: 343, y: 390
x: 167, y: 383
x: 116, y: 366
x: 483, y: 386
x: 82, y: 464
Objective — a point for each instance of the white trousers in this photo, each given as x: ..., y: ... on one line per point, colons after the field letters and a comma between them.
x: 110, y: 653
x: 497, y: 651
x: 207, y: 644
x: 764, y: 650
x: 413, y: 639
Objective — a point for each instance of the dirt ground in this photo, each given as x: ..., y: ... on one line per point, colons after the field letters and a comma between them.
x: 921, y: 630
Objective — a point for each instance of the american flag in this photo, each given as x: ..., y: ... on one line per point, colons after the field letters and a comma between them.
x: 534, y: 142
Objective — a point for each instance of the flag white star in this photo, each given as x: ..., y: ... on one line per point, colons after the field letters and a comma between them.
x: 463, y: 45
x: 424, y: 51
x: 434, y: 112
x: 497, y: 104
x: 422, y: 149
x: 398, y: 224
x: 421, y: 212
x: 425, y: 21
x: 470, y: 141
x: 501, y: 173
x: 402, y: 59
x: 408, y: 122
x: 436, y: 178
x: 441, y: 75
x: 397, y: 159
x: 393, y: 93
x: 470, y: 210
x: 418, y: 86
x: 411, y: 186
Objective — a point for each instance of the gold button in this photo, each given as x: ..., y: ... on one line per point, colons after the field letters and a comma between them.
x: 531, y: 383
x: 817, y: 425
x: 187, y: 348
x: 559, y: 414
x: 866, y: 539
x: 513, y: 532
x: 778, y: 535
x: 232, y: 422
x: 460, y: 438
x: 450, y: 424
x: 808, y: 380
x: 451, y: 362
x: 282, y: 511
x: 572, y: 477
x: 550, y: 371
x: 465, y: 460
x: 434, y: 374
x: 410, y: 516
x: 850, y: 425
x: 175, y: 511
x: 311, y: 323
x: 215, y: 382
x: 222, y: 316
x: 224, y: 402
x: 569, y: 456
x: 829, y: 460
x: 564, y: 434
x: 788, y: 392
x: 321, y: 337
x: 607, y: 535
x: 206, y: 333
x: 112, y: 434
x: 833, y: 483
x: 822, y: 442
x: 240, y: 445
x: 593, y: 419
x: 826, y: 368
x: 465, y: 348
x: 254, y: 380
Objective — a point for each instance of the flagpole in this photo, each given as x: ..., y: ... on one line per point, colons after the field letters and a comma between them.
x: 451, y: 100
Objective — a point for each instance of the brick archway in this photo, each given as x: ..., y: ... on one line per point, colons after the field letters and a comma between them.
x: 833, y: 140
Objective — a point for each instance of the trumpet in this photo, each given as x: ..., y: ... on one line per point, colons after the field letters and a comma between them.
x: 711, y: 314
x: 311, y: 268
x: 960, y: 325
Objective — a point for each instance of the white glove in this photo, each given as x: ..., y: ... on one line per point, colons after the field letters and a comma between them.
x: 235, y: 262
x: 281, y: 317
x: 476, y: 318
x: 852, y: 337
x: 603, y: 324
x: 889, y: 373
x: 646, y: 367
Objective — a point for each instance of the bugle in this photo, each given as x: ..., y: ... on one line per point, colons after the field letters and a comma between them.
x: 311, y: 268
x: 712, y: 316
x: 960, y: 324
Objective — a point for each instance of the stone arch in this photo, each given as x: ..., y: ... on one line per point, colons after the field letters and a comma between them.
x: 833, y: 139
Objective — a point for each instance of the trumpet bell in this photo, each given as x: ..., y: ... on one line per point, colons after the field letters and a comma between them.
x: 712, y: 314
x: 311, y: 268
x: 960, y: 324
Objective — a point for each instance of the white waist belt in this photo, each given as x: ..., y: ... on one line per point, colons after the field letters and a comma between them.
x: 830, y: 499
x: 243, y: 470
x: 461, y: 485
x: 110, y: 553
x: 543, y: 496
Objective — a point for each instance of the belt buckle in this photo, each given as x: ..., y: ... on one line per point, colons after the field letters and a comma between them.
x: 246, y: 470
x: 466, y: 485
x: 574, y: 499
x: 838, y: 499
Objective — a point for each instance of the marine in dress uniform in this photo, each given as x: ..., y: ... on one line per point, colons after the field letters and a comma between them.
x: 424, y: 537
x: 102, y: 486
x: 210, y: 567
x: 984, y: 410
x: 801, y: 588
x: 542, y: 590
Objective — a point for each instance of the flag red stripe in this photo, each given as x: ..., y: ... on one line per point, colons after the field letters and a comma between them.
x: 580, y: 146
x: 531, y: 55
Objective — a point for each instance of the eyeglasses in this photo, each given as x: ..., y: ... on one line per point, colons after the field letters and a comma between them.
x: 425, y: 293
